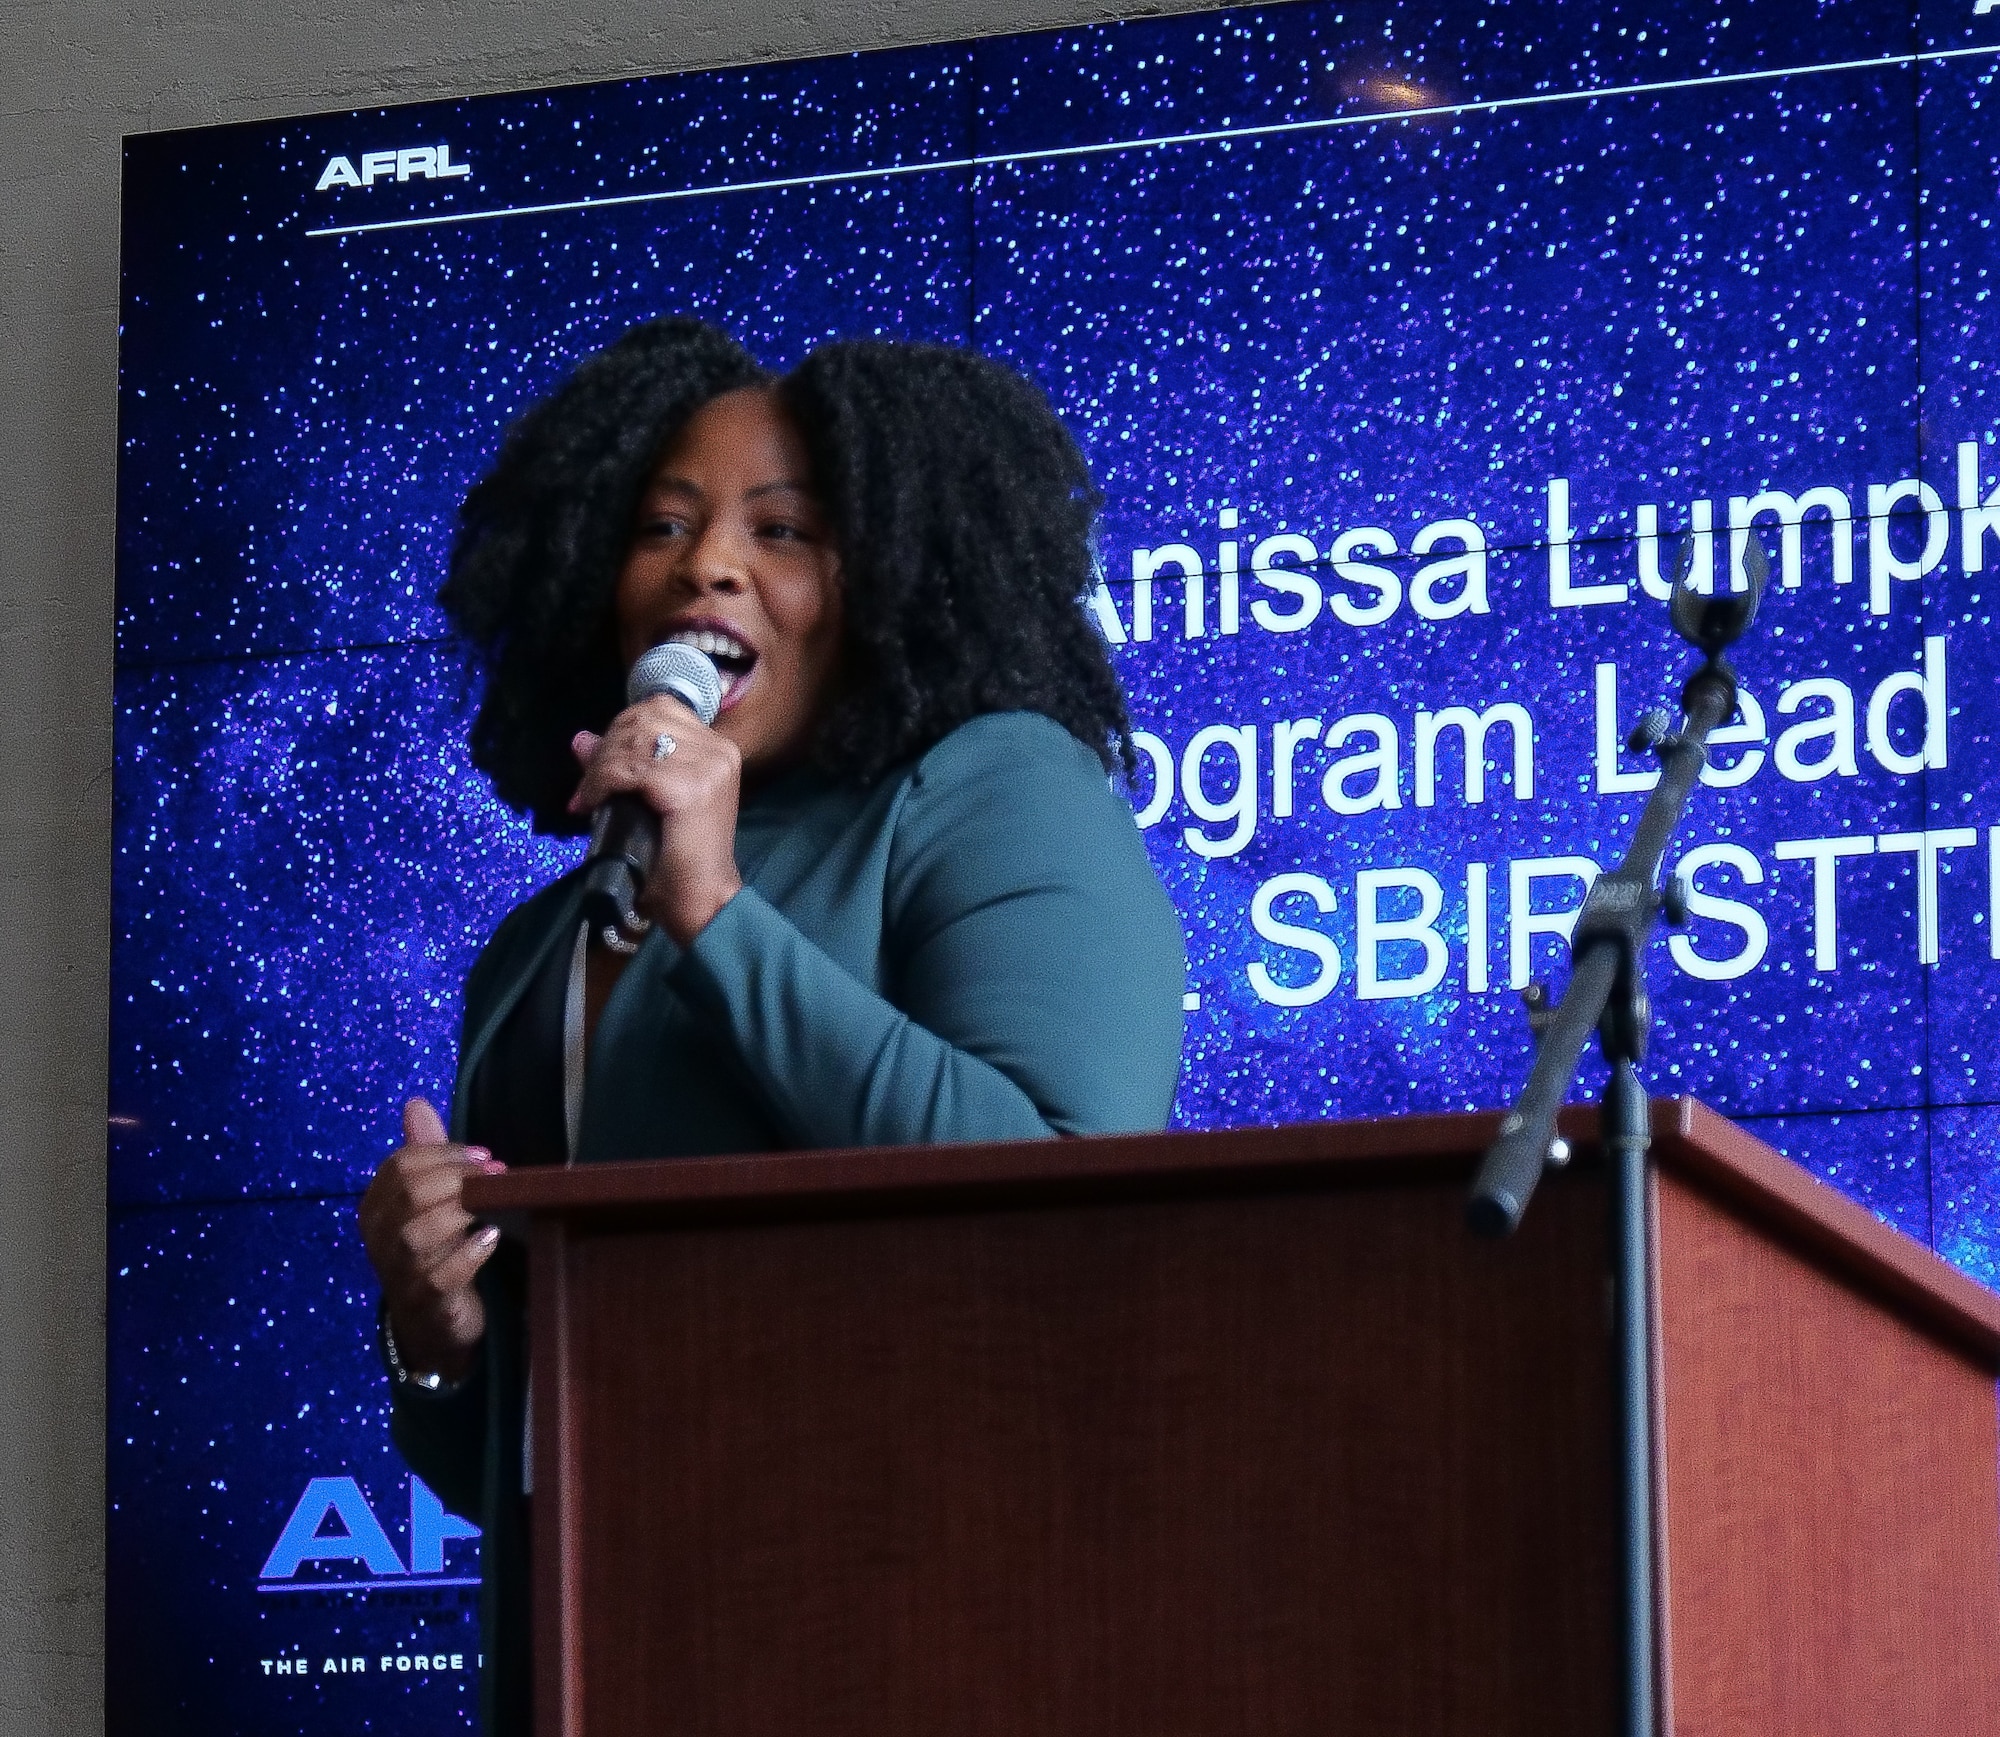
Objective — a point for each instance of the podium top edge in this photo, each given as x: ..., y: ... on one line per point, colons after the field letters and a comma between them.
x: 1731, y: 1164
x: 1397, y: 1147
x: 1690, y: 1140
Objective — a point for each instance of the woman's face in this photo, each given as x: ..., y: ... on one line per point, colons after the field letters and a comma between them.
x: 731, y: 554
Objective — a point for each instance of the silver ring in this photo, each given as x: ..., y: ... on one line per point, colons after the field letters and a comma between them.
x: 663, y: 745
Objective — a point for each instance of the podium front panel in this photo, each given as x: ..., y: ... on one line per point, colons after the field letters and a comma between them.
x: 1295, y: 1461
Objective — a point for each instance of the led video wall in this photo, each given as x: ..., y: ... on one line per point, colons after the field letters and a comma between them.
x: 1408, y: 345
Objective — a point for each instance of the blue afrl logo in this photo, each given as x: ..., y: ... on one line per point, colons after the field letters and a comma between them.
x: 360, y: 1540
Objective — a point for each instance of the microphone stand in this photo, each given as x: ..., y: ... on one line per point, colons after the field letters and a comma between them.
x: 1607, y: 990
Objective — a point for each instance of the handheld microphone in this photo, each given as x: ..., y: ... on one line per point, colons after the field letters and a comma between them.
x: 624, y: 832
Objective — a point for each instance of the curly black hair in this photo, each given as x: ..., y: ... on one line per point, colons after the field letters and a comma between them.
x: 963, y: 512
x: 960, y: 508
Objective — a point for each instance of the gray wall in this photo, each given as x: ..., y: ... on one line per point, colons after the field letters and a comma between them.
x: 74, y: 78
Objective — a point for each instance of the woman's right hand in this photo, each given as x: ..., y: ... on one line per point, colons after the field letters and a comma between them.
x: 424, y: 1247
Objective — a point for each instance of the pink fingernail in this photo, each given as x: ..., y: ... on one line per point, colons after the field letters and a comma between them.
x: 492, y: 1166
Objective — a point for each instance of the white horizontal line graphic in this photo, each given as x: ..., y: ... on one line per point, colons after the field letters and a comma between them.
x: 1220, y: 135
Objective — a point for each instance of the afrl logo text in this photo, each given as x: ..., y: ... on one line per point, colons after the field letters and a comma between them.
x: 414, y: 162
x: 361, y: 1542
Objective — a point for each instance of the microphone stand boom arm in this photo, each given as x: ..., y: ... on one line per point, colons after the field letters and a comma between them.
x: 1607, y: 987
x: 1607, y: 991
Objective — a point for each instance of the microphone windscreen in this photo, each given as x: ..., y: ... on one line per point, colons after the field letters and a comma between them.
x: 679, y: 670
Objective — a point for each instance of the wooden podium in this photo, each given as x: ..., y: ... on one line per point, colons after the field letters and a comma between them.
x: 1241, y: 1433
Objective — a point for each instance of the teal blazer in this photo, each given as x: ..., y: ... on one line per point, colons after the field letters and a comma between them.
x: 973, y: 948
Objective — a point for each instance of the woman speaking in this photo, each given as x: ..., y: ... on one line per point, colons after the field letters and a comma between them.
x: 895, y: 898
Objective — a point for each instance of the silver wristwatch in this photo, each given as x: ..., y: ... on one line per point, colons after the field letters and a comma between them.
x: 403, y: 1376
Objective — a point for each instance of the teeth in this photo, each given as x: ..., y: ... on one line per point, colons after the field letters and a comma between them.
x: 711, y: 643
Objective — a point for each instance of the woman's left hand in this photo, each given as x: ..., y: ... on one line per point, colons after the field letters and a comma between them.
x: 694, y: 790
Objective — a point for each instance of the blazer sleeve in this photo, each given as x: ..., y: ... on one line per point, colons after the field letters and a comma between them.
x: 1034, y: 966
x: 445, y: 1436
x: 442, y: 1436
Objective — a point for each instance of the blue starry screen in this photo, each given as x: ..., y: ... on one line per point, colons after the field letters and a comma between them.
x: 1409, y: 345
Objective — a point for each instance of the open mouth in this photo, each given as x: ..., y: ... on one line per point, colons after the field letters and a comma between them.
x: 732, y: 658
